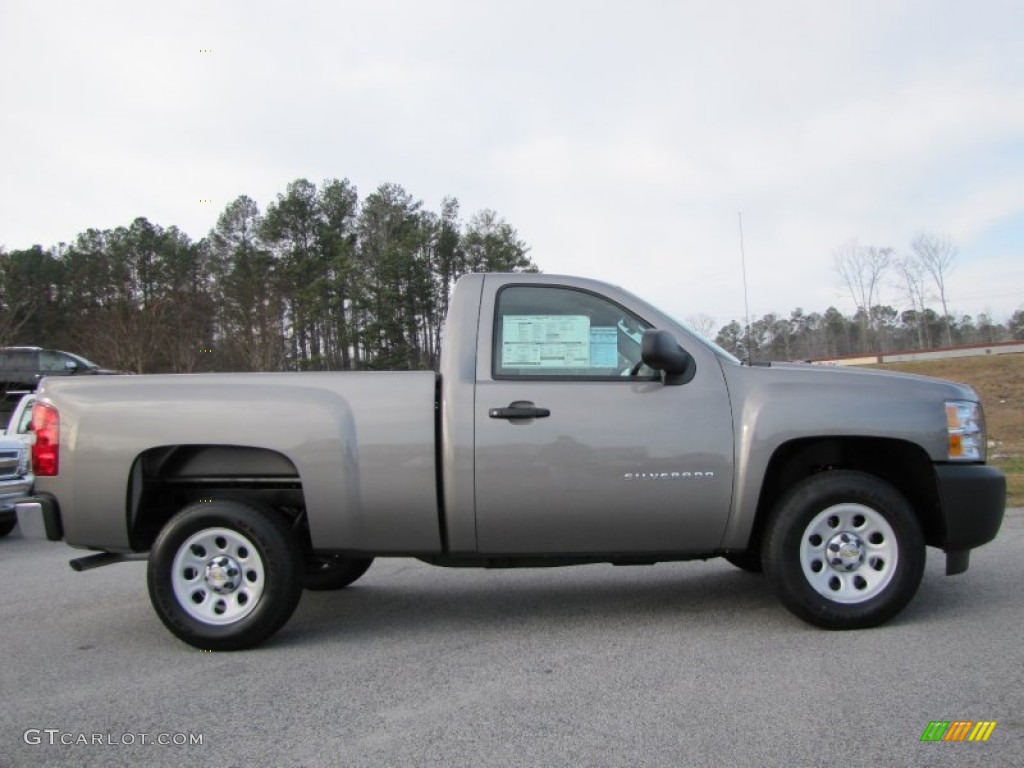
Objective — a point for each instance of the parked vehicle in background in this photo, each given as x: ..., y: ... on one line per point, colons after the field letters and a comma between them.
x: 15, y: 480
x: 19, y: 424
x: 571, y: 422
x: 22, y: 367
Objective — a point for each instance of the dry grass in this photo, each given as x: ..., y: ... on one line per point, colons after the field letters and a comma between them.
x: 1000, y: 382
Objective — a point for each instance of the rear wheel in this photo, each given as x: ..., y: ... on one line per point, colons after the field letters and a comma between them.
x: 7, y: 526
x: 843, y: 550
x: 326, y: 572
x: 224, y: 575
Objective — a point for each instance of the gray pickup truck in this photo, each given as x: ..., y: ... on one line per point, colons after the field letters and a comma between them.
x: 570, y: 423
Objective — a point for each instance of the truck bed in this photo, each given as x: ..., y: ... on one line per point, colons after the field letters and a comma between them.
x: 361, y: 444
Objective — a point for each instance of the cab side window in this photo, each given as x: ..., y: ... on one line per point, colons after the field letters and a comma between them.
x: 553, y: 332
x: 20, y: 360
x: 53, y: 361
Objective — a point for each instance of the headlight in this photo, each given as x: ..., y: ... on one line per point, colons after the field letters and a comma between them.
x: 966, y: 426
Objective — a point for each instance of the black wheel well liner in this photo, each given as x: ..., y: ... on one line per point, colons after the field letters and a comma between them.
x: 902, y: 464
x: 166, y: 478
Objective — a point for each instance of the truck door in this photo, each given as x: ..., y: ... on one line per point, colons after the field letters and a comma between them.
x: 579, y: 448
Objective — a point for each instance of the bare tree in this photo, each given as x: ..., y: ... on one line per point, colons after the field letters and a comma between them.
x: 912, y: 280
x: 130, y: 337
x: 861, y: 269
x: 702, y: 324
x: 14, y: 313
x: 936, y: 255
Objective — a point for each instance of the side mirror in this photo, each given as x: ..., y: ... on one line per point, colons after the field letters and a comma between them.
x: 70, y: 366
x: 659, y: 350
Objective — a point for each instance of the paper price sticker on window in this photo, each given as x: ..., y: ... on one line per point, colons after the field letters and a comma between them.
x: 545, y: 341
x: 604, y: 347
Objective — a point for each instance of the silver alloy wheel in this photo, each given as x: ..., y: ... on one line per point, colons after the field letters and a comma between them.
x: 849, y: 553
x: 218, y: 576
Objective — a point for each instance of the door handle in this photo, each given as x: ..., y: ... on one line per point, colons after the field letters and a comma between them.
x: 520, y: 409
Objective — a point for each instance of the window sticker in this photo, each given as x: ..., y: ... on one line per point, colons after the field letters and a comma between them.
x: 545, y: 341
x: 604, y: 347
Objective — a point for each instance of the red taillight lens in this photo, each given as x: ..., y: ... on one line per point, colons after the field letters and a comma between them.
x: 46, y: 451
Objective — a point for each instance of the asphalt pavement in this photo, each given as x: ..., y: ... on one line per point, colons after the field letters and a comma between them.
x: 680, y: 664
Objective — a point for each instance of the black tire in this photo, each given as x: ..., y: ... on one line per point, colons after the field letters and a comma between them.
x: 327, y: 572
x: 7, y: 526
x: 749, y: 561
x: 224, y: 576
x: 844, y: 550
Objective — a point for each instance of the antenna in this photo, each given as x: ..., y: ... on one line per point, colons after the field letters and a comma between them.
x: 746, y: 304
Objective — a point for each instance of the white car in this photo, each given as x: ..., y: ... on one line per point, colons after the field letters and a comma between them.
x: 20, y: 423
x: 16, y: 479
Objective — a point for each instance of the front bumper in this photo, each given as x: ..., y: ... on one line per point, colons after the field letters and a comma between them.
x: 972, y: 499
x: 12, y: 492
x: 39, y: 517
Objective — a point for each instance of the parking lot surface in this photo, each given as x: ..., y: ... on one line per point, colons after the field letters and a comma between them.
x: 680, y: 664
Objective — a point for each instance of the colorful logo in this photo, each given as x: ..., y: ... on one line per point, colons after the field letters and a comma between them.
x: 958, y: 730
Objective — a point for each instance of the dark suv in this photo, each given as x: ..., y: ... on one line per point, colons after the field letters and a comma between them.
x: 22, y: 367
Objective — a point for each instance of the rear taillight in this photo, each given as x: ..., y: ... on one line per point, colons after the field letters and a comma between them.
x: 46, y: 450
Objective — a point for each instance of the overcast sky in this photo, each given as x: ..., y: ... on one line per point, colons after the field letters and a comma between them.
x: 620, y: 139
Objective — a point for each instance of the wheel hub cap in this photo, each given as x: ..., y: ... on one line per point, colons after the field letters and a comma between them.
x: 218, y: 576
x: 846, y: 551
x: 849, y: 553
x: 223, y: 574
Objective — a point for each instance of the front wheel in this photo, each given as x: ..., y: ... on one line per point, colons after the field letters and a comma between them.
x: 844, y: 550
x: 224, y: 575
x: 7, y: 526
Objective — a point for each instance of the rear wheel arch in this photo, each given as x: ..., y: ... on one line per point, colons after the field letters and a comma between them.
x: 165, y: 479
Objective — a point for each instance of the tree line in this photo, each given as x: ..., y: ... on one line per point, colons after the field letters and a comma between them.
x: 320, y: 280
x: 918, y: 277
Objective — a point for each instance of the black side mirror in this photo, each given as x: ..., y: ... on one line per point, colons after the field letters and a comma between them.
x: 659, y: 350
